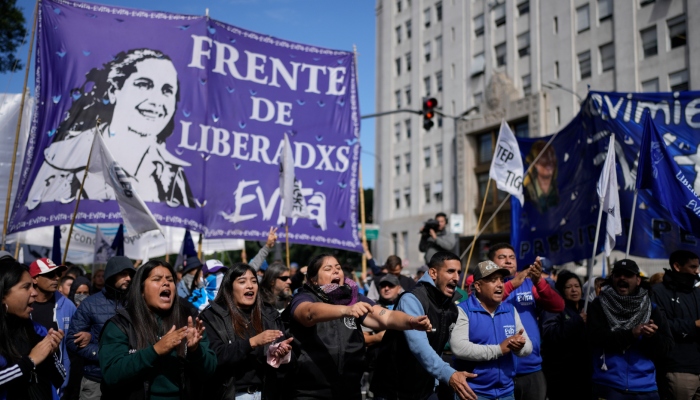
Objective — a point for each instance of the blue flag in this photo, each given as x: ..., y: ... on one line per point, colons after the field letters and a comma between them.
x: 659, y: 172
x: 187, y: 249
x: 118, y: 243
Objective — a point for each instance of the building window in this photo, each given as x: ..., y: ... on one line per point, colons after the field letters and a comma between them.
x: 407, y: 123
x: 426, y: 156
x: 407, y: 160
x: 398, y: 34
x: 524, y: 44
x: 557, y: 116
x: 438, y: 11
x: 397, y: 204
x: 398, y: 98
x: 605, y: 9
x: 478, y: 66
x: 394, y: 236
x: 426, y: 51
x: 408, y: 61
x: 438, y: 154
x: 527, y: 88
x: 677, y: 31
x: 404, y: 238
x: 584, y: 64
x: 650, y: 86
x: 437, y: 191
x: 408, y: 95
x: 485, y: 145
x: 438, y: 81
x: 556, y: 70
x: 426, y: 83
x: 500, y: 51
x: 398, y: 66
x: 583, y: 21
x: 478, y: 98
x: 398, y: 6
x: 397, y: 165
x: 556, y: 25
x: 521, y: 129
x: 523, y: 8
x: 397, y: 135
x: 499, y: 14
x: 409, y: 31
x: 439, y: 121
x: 438, y: 46
x: 426, y: 17
x: 482, y: 181
x: 479, y: 25
x: 426, y: 193
x: 646, y: 2
x: 607, y: 57
x: 649, y: 42
x: 407, y: 196
x: 678, y: 81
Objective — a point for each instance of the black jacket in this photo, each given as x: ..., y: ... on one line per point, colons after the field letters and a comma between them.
x: 236, y: 358
x: 329, y: 358
x: 680, y: 301
x: 565, y: 356
x: 398, y: 375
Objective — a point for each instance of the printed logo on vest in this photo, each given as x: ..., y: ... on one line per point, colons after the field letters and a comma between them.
x: 525, y: 298
x: 350, y: 322
x: 509, y: 330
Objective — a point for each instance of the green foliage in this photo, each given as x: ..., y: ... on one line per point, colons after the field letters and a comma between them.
x: 12, y: 34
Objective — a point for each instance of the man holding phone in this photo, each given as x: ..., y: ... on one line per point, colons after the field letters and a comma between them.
x: 626, y: 331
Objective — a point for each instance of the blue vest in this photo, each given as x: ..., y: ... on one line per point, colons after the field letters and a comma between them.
x: 524, y: 301
x: 495, y: 377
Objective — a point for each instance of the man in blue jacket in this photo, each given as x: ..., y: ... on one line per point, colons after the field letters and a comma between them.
x: 488, y: 335
x: 51, y: 308
x: 626, y: 333
x: 91, y: 317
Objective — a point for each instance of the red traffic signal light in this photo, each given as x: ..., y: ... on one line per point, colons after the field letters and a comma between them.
x: 429, y: 112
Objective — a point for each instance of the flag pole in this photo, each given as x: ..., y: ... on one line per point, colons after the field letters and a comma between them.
x: 363, y: 226
x: 529, y: 168
x: 167, y: 246
x: 286, y: 237
x: 199, y: 246
x: 478, y: 223
x: 589, y: 273
x: 19, y: 127
x: 17, y: 246
x: 629, y: 234
x: 80, y: 192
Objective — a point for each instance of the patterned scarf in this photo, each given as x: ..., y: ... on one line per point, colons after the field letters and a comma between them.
x: 625, y: 312
x: 345, y: 295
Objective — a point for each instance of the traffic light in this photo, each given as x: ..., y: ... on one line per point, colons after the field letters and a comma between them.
x: 429, y: 112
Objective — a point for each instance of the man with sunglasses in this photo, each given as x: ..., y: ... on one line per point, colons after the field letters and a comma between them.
x: 51, y: 309
x: 626, y: 331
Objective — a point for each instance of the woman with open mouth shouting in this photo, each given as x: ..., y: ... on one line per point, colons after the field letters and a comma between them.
x: 246, y: 335
x: 154, y: 349
x: 29, y: 365
x: 329, y: 347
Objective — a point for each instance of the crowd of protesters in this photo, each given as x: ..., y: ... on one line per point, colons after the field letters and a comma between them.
x: 258, y: 331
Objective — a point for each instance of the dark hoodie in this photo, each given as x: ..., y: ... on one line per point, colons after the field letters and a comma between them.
x: 81, y: 280
x: 679, y: 299
x: 94, y: 312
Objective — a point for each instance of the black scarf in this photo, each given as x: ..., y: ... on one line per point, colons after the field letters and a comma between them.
x: 625, y: 312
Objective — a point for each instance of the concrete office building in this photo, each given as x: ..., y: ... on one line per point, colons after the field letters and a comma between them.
x: 528, y: 61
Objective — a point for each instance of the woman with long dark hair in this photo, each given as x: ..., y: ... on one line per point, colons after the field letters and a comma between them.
x: 275, y: 286
x: 29, y: 366
x: 153, y: 348
x: 135, y: 96
x: 329, y: 346
x: 242, y: 328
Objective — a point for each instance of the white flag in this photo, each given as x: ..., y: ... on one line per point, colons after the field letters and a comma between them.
x: 103, y: 248
x: 609, y: 198
x: 507, y: 164
x: 137, y: 217
x: 293, y: 203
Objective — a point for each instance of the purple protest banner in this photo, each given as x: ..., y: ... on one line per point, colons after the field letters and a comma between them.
x: 194, y: 112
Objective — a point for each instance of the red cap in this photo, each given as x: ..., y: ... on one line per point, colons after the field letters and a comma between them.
x: 42, y: 266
